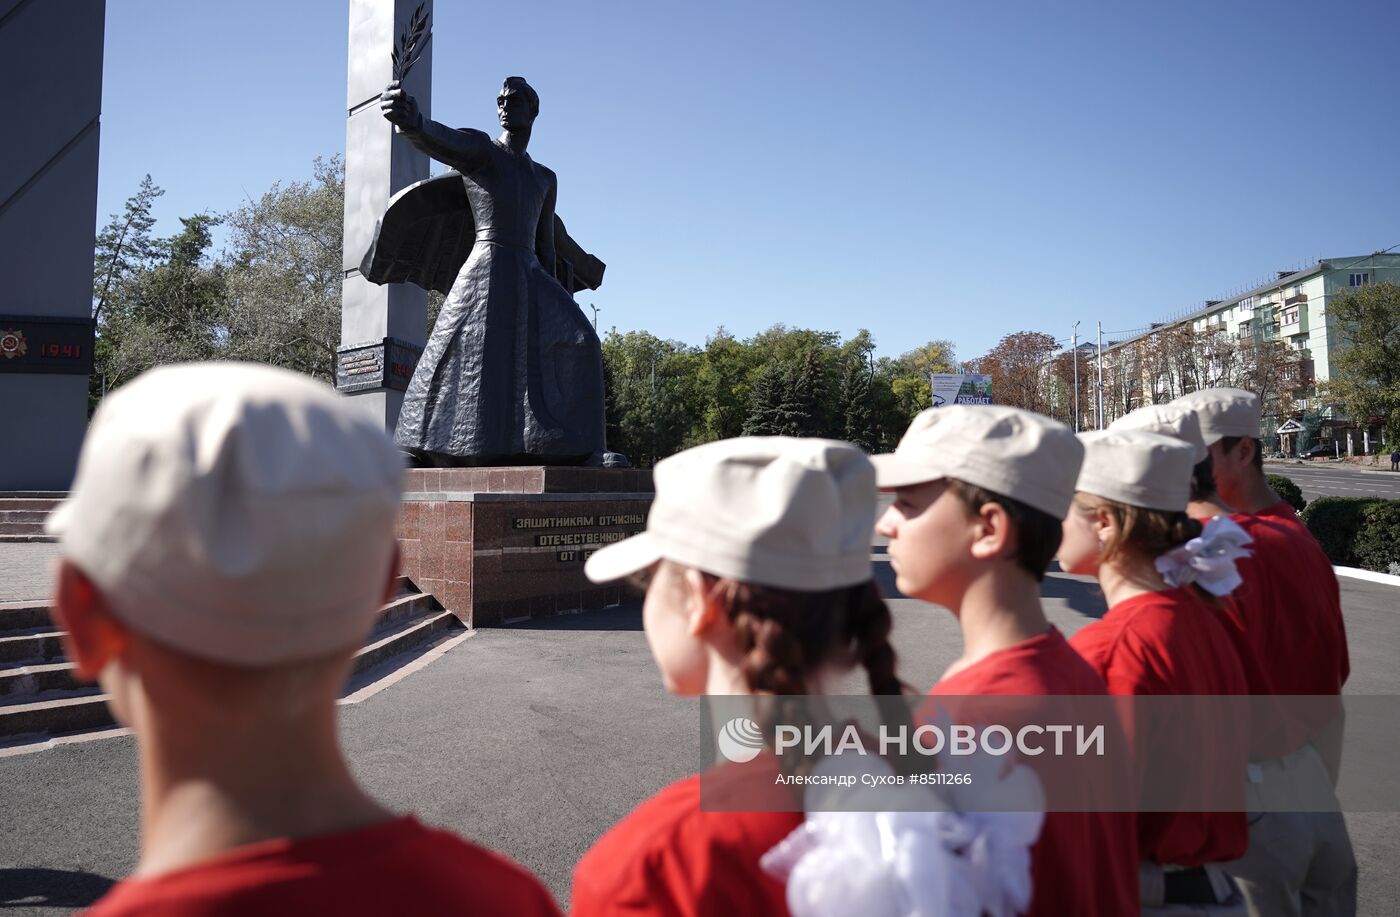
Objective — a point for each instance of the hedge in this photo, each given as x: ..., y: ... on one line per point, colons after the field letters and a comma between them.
x: 1377, y: 545
x: 1289, y: 491
x: 1352, y: 528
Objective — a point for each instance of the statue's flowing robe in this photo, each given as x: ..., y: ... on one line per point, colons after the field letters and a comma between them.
x: 512, y: 372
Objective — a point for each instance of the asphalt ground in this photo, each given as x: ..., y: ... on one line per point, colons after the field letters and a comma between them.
x: 535, y: 739
x: 1340, y: 480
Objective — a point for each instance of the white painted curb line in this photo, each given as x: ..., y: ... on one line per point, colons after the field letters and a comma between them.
x: 1371, y: 575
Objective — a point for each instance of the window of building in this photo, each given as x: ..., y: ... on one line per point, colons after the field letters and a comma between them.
x: 1360, y: 280
x: 1247, y: 305
x: 1290, y: 316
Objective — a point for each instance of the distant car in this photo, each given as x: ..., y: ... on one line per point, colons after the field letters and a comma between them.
x: 1322, y: 450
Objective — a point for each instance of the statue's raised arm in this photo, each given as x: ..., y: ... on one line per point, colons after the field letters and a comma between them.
x: 464, y: 149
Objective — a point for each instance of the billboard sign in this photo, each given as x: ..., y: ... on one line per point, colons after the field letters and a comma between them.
x: 960, y: 388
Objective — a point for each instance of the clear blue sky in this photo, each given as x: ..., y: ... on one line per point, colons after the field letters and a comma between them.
x: 924, y: 169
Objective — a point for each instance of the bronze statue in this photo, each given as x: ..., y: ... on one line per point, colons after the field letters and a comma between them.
x: 512, y: 372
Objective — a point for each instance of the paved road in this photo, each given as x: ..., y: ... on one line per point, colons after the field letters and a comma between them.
x: 535, y: 739
x: 1339, y: 480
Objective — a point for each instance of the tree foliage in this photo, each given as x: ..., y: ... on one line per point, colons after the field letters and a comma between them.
x: 1017, y: 365
x: 273, y: 295
x: 781, y: 382
x: 1366, y: 368
x: 283, y: 274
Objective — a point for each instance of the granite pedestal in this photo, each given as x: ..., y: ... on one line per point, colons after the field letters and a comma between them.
x: 503, y: 545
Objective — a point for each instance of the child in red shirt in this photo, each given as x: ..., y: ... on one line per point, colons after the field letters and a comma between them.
x: 756, y: 564
x: 979, y: 496
x: 226, y: 547
x: 1161, y: 635
x: 1288, y: 615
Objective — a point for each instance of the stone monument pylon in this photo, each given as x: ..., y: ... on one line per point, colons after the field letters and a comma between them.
x: 51, y: 56
x: 382, y: 328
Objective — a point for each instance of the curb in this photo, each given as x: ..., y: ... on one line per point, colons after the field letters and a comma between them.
x: 1384, y: 579
x: 1348, y: 467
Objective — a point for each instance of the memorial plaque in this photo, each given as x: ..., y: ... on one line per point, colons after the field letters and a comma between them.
x: 31, y: 344
x: 500, y: 545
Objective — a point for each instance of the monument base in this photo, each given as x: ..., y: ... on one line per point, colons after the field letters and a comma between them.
x: 503, y: 545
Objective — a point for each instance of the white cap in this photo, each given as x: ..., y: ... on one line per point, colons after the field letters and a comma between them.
x: 1018, y: 454
x: 1223, y: 412
x: 1137, y: 468
x: 1174, y: 420
x: 235, y: 512
x: 774, y: 511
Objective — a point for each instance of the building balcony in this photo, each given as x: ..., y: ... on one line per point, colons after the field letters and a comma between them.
x: 1296, y: 375
x: 1294, y: 300
x: 1298, y: 325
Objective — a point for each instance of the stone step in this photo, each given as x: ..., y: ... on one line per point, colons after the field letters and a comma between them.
x: 407, y: 626
x: 26, y: 504
x: 27, y: 539
x: 52, y: 716
x: 21, y: 528
x: 23, y: 615
x: 44, y: 645
x: 400, y: 640
x: 26, y: 682
x: 23, y: 516
x: 56, y: 496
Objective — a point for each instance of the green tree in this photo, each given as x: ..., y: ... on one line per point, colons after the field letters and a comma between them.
x: 167, y: 310
x: 858, y: 406
x: 124, y: 249
x: 724, y: 380
x: 284, y: 272
x: 651, y: 394
x: 1366, y: 368
x: 770, y: 400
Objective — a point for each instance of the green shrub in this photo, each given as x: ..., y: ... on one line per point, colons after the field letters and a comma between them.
x: 1334, y: 522
x: 1289, y: 491
x: 1377, y: 544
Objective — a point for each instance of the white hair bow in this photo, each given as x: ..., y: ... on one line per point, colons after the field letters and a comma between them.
x: 1208, y: 560
x: 906, y: 861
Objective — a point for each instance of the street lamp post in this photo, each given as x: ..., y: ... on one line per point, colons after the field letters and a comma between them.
x: 1074, y: 346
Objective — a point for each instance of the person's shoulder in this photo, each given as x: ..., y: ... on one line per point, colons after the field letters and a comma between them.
x: 477, y: 865
x: 668, y: 837
x: 1043, y: 665
x: 399, y: 863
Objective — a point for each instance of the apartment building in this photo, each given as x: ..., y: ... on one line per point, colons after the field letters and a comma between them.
x: 1276, y: 338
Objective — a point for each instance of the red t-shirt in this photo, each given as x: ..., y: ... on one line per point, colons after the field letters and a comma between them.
x: 1282, y: 511
x: 669, y: 858
x: 397, y: 867
x: 1085, y: 863
x: 1173, y: 643
x: 1287, y: 616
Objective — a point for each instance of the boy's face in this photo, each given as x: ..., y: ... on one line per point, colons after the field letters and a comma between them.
x: 930, y: 533
x: 1232, y: 469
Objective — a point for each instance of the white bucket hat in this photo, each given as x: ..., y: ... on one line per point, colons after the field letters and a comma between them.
x: 1018, y: 454
x: 774, y: 511
x: 1137, y: 468
x: 235, y: 512
x: 1223, y: 412
x: 1174, y: 420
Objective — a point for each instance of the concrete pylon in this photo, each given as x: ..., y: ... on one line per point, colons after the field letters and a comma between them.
x: 382, y: 328
x: 50, y: 56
